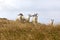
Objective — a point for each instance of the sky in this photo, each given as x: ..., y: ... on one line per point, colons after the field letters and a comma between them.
x: 46, y: 9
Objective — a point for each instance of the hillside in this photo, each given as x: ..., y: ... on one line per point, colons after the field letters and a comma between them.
x: 15, y: 30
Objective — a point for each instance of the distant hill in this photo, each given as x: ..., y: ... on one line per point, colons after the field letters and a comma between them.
x: 15, y: 30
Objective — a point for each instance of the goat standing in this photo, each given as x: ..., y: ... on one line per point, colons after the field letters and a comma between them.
x: 35, y: 18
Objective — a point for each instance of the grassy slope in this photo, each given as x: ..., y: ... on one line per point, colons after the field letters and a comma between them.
x: 13, y: 30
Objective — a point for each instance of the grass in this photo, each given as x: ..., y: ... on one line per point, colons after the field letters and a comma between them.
x: 15, y: 30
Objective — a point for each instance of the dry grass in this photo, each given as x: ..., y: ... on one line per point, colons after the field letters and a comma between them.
x: 15, y: 30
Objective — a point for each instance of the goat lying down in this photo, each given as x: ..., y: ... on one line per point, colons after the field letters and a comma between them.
x: 23, y: 19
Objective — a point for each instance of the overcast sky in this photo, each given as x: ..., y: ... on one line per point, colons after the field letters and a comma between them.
x: 47, y: 9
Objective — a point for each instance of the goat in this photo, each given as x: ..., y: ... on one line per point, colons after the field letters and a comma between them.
x: 34, y: 19
x: 20, y: 17
x: 52, y: 21
x: 28, y: 19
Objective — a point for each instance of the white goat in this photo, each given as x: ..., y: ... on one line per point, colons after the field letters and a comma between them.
x: 20, y: 17
x: 52, y: 21
x: 35, y: 18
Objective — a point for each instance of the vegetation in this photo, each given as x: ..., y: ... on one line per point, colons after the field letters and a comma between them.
x: 15, y: 30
